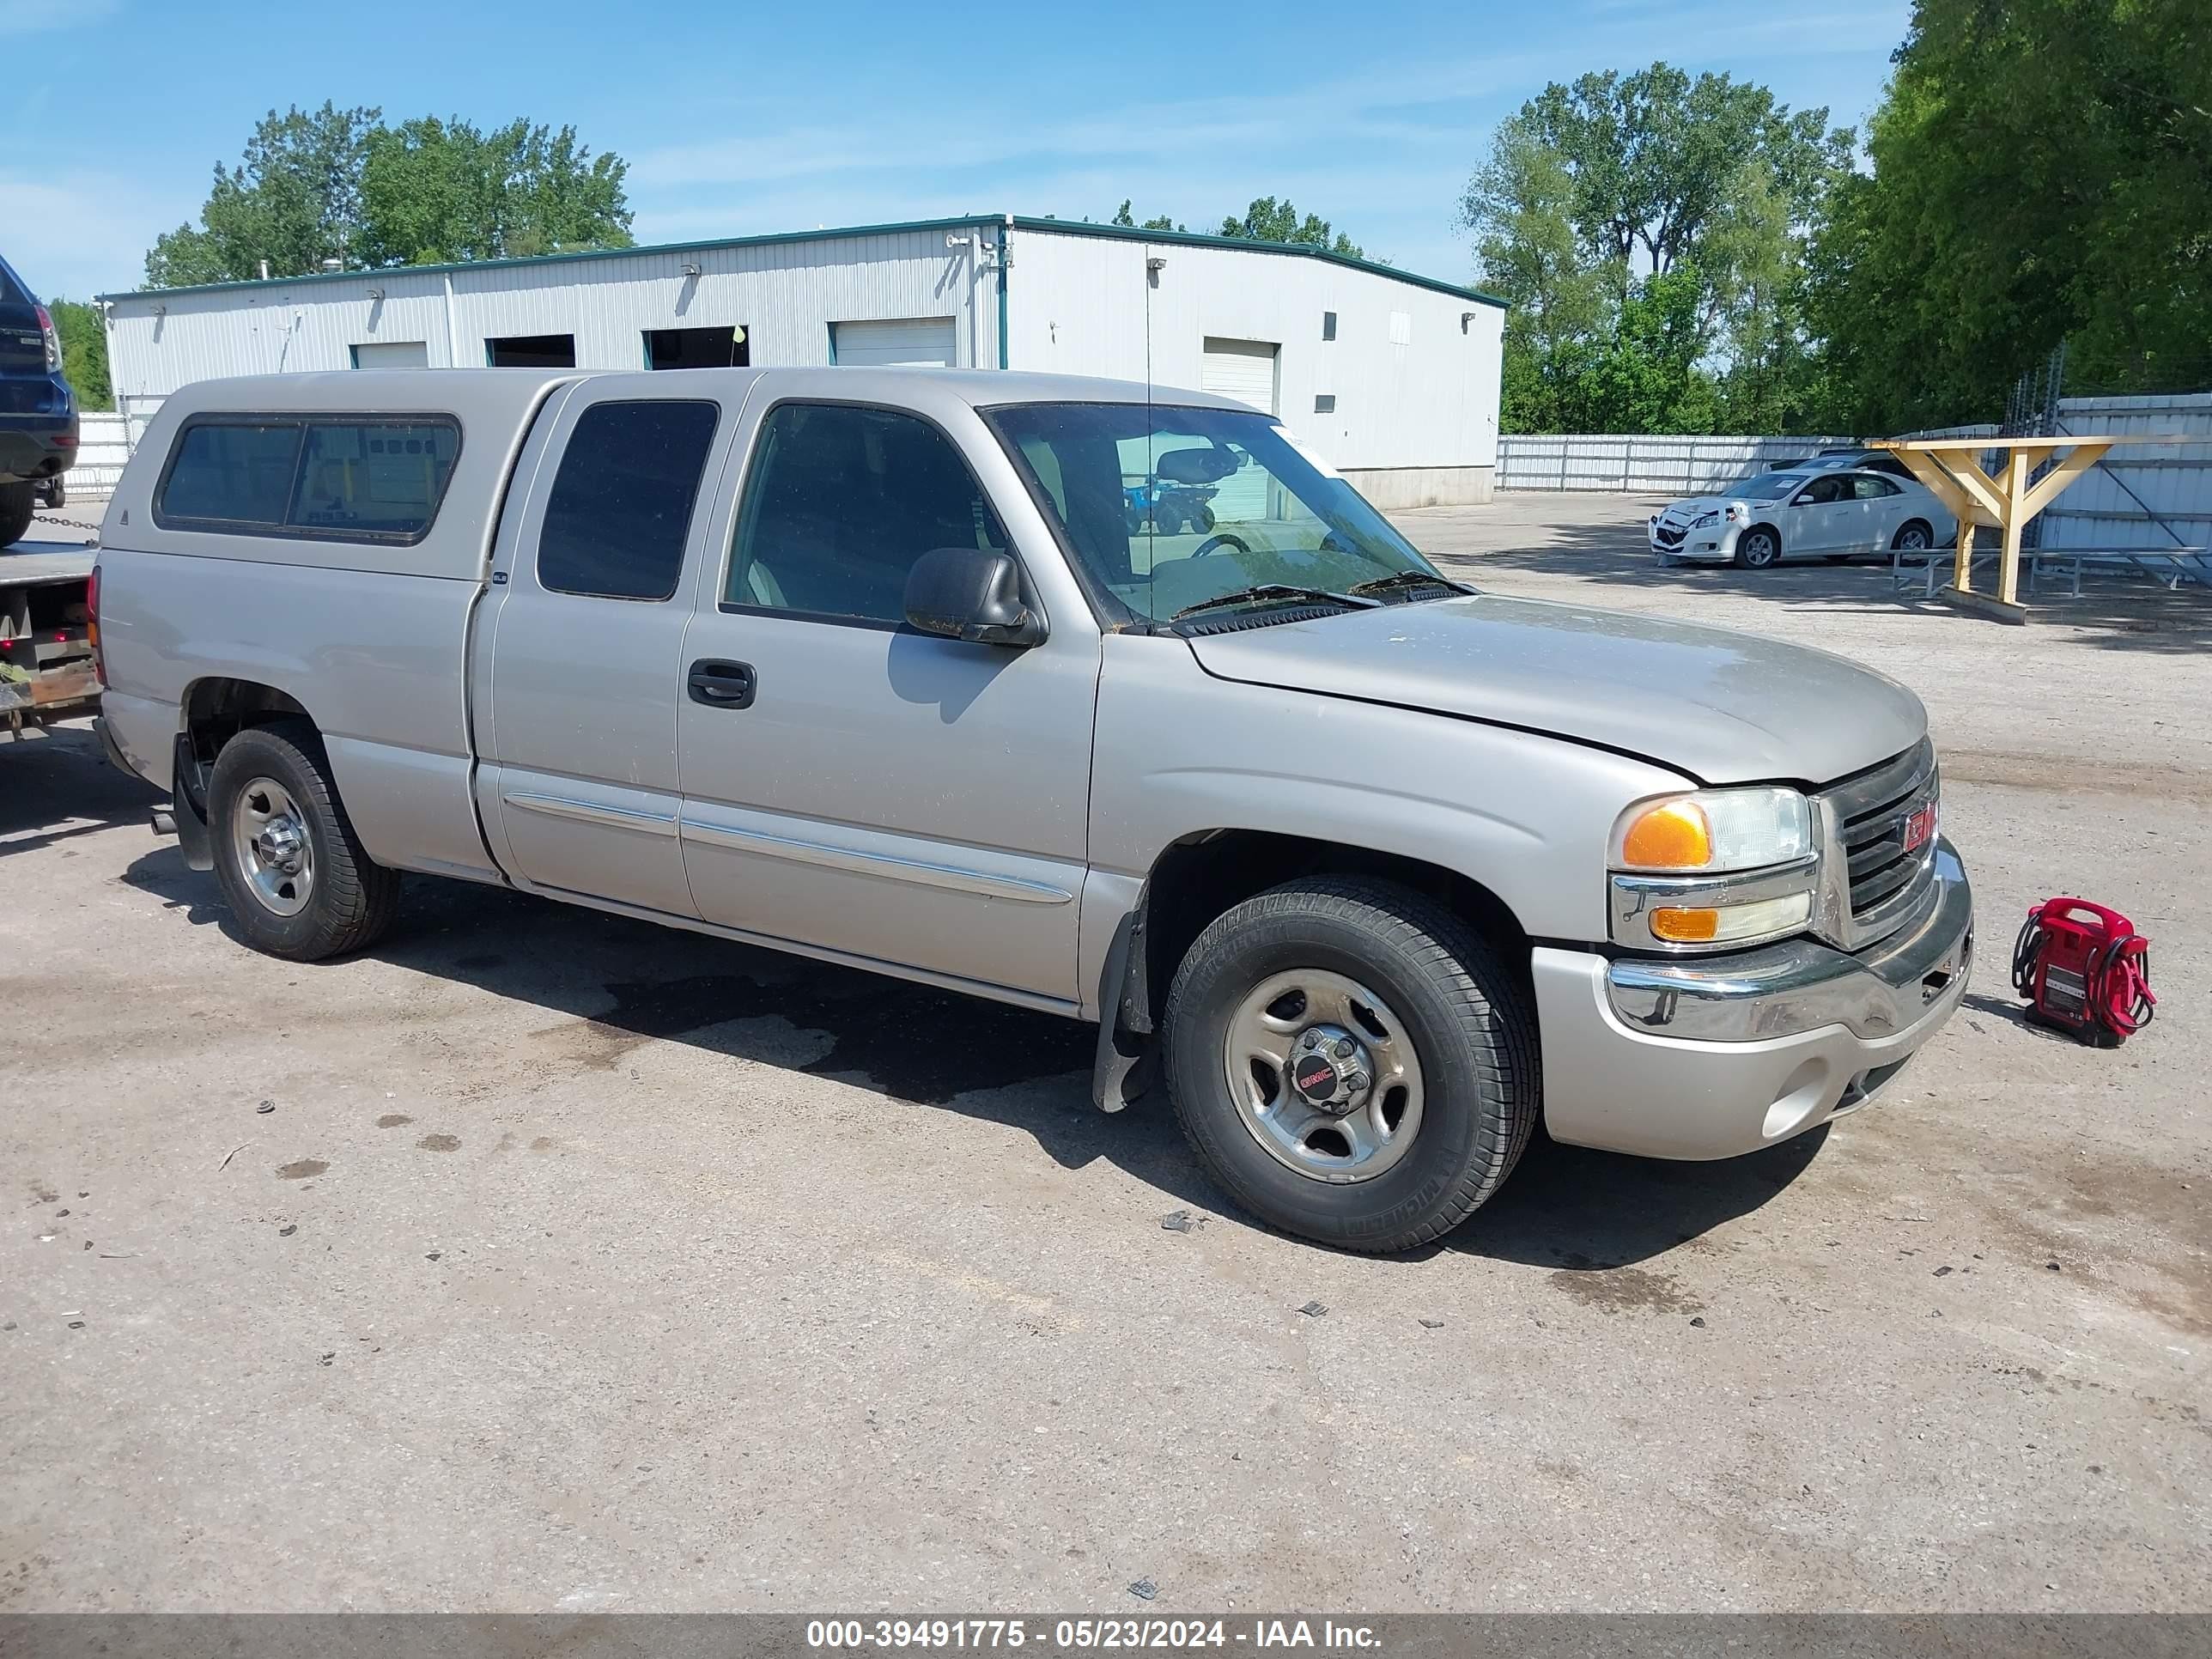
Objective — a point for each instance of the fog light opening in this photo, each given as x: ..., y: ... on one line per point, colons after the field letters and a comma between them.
x: 1799, y: 1100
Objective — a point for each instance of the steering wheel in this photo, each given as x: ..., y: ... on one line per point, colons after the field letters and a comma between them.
x: 1222, y: 539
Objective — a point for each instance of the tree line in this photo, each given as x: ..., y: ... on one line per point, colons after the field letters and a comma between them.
x: 1690, y: 256
x: 340, y: 184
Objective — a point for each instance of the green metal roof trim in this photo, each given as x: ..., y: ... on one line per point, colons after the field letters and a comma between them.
x: 1248, y: 245
x: 1062, y: 226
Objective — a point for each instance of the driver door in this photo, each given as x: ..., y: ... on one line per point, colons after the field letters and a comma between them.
x: 1817, y: 519
x: 852, y: 784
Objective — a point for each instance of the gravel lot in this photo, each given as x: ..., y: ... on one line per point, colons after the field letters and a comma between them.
x: 583, y: 1265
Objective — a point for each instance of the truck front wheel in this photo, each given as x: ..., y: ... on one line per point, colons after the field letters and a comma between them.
x: 285, y: 853
x: 1352, y: 1062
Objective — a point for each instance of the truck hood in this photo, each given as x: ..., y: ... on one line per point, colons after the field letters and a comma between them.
x: 1723, y: 706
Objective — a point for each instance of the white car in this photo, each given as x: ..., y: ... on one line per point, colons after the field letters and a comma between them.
x: 1804, y: 513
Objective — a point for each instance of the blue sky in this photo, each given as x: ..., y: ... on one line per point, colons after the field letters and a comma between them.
x: 739, y: 119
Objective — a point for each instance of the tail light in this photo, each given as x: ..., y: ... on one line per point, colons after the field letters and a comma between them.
x: 53, y: 340
x: 92, y: 626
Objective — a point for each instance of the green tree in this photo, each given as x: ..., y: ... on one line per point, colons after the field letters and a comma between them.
x: 437, y: 192
x: 1271, y: 221
x: 1646, y: 377
x: 1596, y: 193
x: 294, y: 200
x: 1523, y: 200
x: 84, y: 352
x: 2042, y: 174
x: 340, y: 184
x: 1122, y: 217
x: 1657, y: 158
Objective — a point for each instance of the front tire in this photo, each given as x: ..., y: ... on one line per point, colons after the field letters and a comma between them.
x: 18, y: 501
x: 1352, y: 1063
x: 286, y: 855
x: 1758, y: 547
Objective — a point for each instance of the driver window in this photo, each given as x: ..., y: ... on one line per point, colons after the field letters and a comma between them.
x: 840, y: 503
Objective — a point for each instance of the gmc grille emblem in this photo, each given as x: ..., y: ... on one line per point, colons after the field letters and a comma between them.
x: 1919, y: 827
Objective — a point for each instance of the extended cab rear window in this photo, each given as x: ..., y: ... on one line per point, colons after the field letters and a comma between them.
x: 363, y: 478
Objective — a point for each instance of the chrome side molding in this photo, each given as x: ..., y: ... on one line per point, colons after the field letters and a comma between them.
x: 889, y: 866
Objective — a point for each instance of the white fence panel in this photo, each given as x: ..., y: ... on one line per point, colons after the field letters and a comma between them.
x: 2151, y: 497
x: 105, y: 440
x: 1668, y: 466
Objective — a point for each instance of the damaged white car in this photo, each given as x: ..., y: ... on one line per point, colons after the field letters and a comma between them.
x: 1802, y: 513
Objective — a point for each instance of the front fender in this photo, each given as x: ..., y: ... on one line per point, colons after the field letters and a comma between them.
x: 1178, y: 753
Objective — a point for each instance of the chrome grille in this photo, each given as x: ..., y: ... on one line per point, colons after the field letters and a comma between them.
x: 1875, y: 881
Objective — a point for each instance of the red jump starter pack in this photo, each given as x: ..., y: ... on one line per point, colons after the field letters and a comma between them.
x: 2084, y: 970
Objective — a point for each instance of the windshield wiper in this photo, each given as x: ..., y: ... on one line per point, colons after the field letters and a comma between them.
x: 1277, y: 591
x: 1404, y: 578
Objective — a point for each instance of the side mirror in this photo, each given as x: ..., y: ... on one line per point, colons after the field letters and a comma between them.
x: 965, y: 593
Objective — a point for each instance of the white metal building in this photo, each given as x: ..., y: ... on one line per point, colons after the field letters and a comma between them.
x: 1393, y: 378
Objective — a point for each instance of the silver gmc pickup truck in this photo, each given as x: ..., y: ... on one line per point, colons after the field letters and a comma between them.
x: 1101, y: 699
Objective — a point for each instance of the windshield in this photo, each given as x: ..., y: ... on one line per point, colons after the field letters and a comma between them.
x: 1169, y: 507
x: 1769, y: 486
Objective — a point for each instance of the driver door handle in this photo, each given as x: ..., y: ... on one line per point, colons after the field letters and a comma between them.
x: 720, y: 684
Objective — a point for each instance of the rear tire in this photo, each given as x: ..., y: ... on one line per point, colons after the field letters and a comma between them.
x: 285, y: 853
x: 1435, y: 1017
x: 17, y: 502
x: 1914, y: 536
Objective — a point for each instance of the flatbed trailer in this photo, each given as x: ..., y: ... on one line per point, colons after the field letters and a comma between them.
x: 46, y: 669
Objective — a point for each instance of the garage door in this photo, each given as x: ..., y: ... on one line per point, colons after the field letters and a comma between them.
x: 897, y: 341
x: 392, y: 354
x: 1244, y: 370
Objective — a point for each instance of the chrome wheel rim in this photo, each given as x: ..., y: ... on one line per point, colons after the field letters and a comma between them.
x: 270, y: 843
x: 1324, y: 1075
x: 1914, y: 540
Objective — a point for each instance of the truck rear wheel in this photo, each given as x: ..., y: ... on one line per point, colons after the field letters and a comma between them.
x: 285, y: 853
x: 17, y: 503
x: 1352, y: 1063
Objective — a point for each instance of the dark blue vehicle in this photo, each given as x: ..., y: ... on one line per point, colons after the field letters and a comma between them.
x: 1172, y: 508
x: 38, y: 410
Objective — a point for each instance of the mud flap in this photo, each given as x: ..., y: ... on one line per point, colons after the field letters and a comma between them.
x: 1124, y: 1069
x: 188, y: 805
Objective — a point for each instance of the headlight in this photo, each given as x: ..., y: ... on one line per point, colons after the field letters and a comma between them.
x: 1712, y: 868
x: 1704, y: 518
x: 1714, y: 830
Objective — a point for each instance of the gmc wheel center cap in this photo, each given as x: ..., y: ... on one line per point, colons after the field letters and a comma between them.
x: 1329, y: 1068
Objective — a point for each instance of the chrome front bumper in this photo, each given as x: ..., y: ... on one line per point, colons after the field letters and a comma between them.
x: 1701, y: 1059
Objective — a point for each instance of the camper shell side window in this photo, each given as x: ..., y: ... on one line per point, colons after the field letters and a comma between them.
x: 377, y: 478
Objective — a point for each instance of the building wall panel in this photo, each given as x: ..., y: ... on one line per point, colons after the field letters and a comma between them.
x: 1414, y: 372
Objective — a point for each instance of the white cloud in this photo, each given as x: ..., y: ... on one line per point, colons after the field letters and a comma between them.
x: 83, y: 233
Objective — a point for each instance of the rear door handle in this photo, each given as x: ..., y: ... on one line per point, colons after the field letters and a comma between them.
x: 721, y: 685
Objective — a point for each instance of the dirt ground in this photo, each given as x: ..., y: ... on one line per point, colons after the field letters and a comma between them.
x: 542, y: 1261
